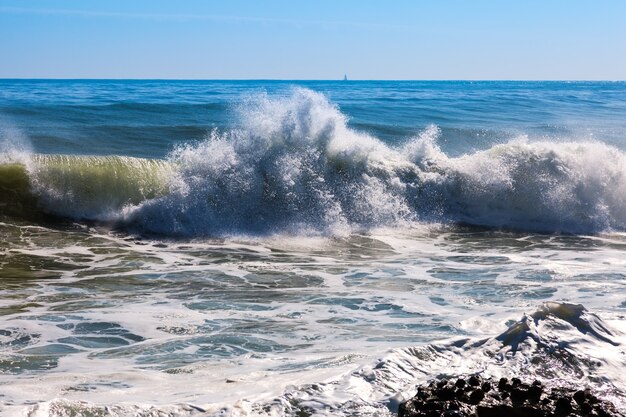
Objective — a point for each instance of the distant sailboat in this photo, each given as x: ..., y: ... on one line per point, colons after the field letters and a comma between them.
x: 345, y: 77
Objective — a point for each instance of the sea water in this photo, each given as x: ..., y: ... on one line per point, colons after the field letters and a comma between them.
x: 305, y: 247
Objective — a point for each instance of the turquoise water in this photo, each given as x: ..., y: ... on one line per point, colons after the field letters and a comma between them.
x: 285, y: 247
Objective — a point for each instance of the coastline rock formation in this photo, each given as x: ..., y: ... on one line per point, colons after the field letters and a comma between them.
x: 475, y: 396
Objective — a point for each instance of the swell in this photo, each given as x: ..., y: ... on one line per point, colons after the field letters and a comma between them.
x: 295, y: 166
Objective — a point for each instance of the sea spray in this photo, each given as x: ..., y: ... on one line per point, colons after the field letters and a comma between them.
x: 295, y: 166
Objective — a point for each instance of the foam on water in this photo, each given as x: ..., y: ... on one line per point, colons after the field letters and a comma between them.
x: 558, y: 344
x: 281, y: 324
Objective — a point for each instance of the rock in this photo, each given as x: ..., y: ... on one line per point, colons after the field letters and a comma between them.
x: 508, y: 411
x: 519, y: 395
x: 534, y: 392
x: 445, y: 393
x: 459, y: 393
x: 563, y: 406
x: 474, y: 397
x: 503, y: 384
x: 585, y: 408
x: 473, y: 381
x: 579, y: 397
x: 486, y: 386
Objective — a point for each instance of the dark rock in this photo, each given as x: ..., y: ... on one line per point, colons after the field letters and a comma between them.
x: 585, y: 408
x: 474, y: 381
x: 534, y: 392
x: 579, y: 397
x: 459, y: 393
x: 519, y: 395
x: 592, y: 399
x: 508, y: 411
x: 502, y: 384
x: 454, y: 405
x: 422, y: 394
x: 562, y: 406
x: 476, y: 396
x: 514, y: 398
x: 433, y: 406
x: 445, y: 393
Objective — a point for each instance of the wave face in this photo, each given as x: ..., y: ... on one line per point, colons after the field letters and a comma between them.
x: 80, y: 187
x: 295, y: 166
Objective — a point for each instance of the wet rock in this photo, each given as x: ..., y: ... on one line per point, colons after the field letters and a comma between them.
x: 503, y: 384
x: 519, y: 395
x: 474, y: 381
x: 445, y: 393
x: 534, y: 392
x: 486, y: 386
x: 579, y: 397
x: 474, y: 396
x: 563, y: 406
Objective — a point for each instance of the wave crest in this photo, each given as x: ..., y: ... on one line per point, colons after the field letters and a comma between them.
x: 296, y: 166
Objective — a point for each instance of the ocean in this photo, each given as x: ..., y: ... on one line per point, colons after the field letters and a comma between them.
x: 249, y: 248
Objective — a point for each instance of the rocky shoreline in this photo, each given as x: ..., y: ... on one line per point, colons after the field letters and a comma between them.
x: 475, y: 396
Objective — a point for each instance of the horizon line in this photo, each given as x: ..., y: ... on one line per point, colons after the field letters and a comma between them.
x: 316, y: 79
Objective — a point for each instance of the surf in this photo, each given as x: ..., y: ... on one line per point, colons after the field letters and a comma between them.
x: 294, y: 165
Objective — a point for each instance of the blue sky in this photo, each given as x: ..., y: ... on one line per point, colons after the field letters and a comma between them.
x: 418, y: 39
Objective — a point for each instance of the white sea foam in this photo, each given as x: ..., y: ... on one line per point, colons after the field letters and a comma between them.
x: 295, y: 165
x: 559, y: 344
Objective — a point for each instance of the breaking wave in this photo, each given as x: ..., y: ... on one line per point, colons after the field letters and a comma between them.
x: 295, y: 166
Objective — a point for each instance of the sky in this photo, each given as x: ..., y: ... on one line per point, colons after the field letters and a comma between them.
x: 321, y: 39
